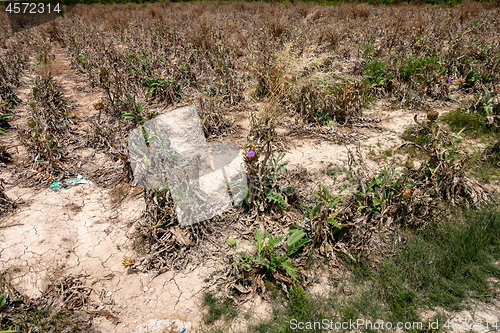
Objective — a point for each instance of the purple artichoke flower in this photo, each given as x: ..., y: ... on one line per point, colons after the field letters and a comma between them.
x: 250, y: 154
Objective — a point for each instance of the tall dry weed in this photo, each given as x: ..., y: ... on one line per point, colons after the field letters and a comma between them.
x: 276, y: 25
x: 362, y: 11
x: 302, y: 9
x: 200, y: 33
x: 469, y: 9
x: 331, y: 35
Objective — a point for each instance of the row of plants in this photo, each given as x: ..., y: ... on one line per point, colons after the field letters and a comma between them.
x: 417, y: 196
x: 48, y: 127
x: 421, y: 54
x: 431, y: 201
x: 142, y: 62
x: 12, y: 64
x: 173, y: 62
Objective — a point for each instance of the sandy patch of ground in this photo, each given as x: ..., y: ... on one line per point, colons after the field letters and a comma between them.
x: 80, y: 231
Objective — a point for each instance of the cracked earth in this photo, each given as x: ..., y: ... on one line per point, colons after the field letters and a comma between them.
x: 81, y: 230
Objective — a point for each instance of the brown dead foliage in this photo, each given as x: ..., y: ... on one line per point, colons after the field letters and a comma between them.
x: 6, y: 204
x: 468, y: 10
x: 52, y: 31
x: 65, y: 303
x: 200, y: 33
x: 362, y: 11
x: 331, y: 35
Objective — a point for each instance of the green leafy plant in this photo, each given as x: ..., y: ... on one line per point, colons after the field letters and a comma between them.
x: 268, y: 185
x: 379, y: 191
x: 162, y: 88
x: 368, y: 48
x: 421, y: 70
x: 325, y: 209
x: 377, y: 73
x: 485, y: 105
x: 9, y: 96
x: 137, y: 115
x: 277, y: 198
x: 2, y: 117
x: 480, y: 117
x: 441, y: 176
x: 471, y: 79
x: 82, y: 59
x: 271, y: 256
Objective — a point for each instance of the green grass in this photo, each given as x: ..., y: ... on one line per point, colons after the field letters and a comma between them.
x: 474, y: 124
x: 46, y: 320
x: 485, y: 173
x: 439, y: 267
x: 299, y: 306
x: 217, y: 309
x: 450, y: 261
x: 416, y: 135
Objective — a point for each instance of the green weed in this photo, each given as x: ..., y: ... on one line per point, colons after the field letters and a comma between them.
x: 379, y: 192
x: 479, y: 118
x: 2, y: 117
x: 270, y: 257
x: 377, y: 73
x: 322, y: 222
x: 9, y: 97
x: 268, y: 183
x: 163, y: 89
x: 421, y: 70
x: 418, y: 135
x: 217, y: 309
x: 82, y: 59
x: 137, y: 115
x: 459, y: 119
x: 438, y: 267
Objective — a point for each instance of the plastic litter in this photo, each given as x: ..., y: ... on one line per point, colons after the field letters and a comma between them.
x: 56, y: 186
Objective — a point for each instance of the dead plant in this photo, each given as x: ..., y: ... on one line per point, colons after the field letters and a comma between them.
x: 362, y: 10
x: 6, y: 204
x: 48, y: 128
x: 64, y: 304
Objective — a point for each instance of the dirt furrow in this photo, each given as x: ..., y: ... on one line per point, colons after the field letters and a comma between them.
x: 81, y: 230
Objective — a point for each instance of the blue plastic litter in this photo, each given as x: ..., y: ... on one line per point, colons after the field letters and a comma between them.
x: 56, y: 186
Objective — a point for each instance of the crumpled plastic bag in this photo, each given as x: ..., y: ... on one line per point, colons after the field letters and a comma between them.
x: 56, y: 186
